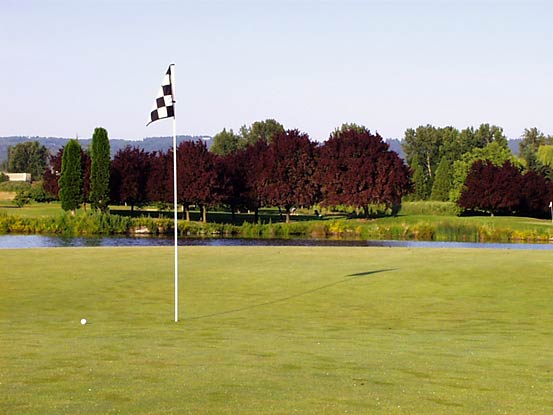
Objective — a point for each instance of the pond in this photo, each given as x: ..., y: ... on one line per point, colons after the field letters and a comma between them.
x: 41, y: 241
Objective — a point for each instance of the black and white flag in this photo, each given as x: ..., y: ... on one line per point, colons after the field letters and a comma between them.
x: 164, y: 105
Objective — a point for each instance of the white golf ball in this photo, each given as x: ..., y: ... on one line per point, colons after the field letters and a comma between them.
x: 83, y: 321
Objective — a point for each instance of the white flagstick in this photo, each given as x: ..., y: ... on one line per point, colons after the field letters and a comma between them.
x: 175, y: 198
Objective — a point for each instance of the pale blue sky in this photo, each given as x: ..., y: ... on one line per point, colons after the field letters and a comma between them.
x: 67, y: 67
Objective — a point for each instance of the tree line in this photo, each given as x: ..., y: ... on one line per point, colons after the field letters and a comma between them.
x: 279, y: 168
x: 447, y: 164
x: 266, y: 165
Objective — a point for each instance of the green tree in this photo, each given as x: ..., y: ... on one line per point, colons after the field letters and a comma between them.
x: 261, y: 131
x: 487, y: 134
x: 226, y: 142
x: 70, y: 182
x: 532, y: 139
x: 442, y: 182
x: 99, y: 170
x: 422, y: 151
x: 452, y: 146
x: 346, y: 127
x: 430, y: 145
x: 545, y: 159
x: 28, y: 157
x: 545, y: 155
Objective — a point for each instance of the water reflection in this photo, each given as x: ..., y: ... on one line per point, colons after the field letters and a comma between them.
x: 40, y: 241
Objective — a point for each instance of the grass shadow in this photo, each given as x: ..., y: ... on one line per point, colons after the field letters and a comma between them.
x: 348, y: 278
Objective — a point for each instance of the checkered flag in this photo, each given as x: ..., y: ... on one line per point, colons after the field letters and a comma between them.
x: 164, y: 105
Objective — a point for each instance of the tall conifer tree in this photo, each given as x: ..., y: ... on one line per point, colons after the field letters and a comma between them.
x: 442, y: 181
x: 99, y: 170
x: 419, y: 180
x: 70, y: 183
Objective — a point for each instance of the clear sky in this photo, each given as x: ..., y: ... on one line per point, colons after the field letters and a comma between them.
x: 67, y: 67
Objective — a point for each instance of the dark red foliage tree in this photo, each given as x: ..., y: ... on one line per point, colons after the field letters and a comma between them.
x: 52, y: 174
x: 231, y: 181
x: 159, y: 184
x: 356, y: 168
x: 392, y: 181
x: 129, y: 176
x: 197, y: 177
x: 252, y: 165
x: 535, y: 194
x: 289, y: 178
x: 492, y: 189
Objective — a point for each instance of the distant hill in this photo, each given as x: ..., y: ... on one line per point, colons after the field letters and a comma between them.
x: 53, y: 144
x: 513, y: 145
x: 395, y: 145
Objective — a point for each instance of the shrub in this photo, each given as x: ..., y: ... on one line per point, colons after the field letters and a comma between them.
x: 22, y: 198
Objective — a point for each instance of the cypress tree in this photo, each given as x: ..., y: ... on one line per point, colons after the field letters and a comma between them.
x: 99, y: 170
x: 70, y: 182
x: 419, y: 180
x: 442, y: 181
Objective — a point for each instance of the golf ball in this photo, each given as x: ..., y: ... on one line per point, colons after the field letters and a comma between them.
x: 83, y: 321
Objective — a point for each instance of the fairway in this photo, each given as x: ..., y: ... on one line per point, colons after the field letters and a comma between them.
x: 276, y: 330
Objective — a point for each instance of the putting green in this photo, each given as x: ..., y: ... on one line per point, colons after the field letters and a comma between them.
x: 267, y: 330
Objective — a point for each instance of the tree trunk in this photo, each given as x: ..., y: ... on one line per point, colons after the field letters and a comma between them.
x: 186, y: 212
x: 287, y: 215
x: 204, y: 214
x: 428, y: 165
x: 256, y: 215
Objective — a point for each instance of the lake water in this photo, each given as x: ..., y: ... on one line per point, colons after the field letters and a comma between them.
x: 40, y: 241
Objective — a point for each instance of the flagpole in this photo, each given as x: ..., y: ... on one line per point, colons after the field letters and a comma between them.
x: 175, y: 204
x: 165, y: 108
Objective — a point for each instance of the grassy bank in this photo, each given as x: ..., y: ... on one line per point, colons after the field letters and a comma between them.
x: 425, y: 222
x: 276, y: 331
x: 417, y: 227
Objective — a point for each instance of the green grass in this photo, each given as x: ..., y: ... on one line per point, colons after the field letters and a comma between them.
x: 429, y: 207
x: 14, y: 186
x: 511, y: 222
x: 276, y: 331
x: 32, y: 210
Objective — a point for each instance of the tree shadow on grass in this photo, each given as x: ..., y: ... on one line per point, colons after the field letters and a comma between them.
x: 348, y: 278
x: 362, y: 274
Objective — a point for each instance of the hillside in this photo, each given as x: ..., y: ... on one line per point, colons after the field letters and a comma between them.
x: 53, y: 144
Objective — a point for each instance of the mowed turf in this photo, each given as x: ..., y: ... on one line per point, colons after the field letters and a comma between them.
x: 267, y: 330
